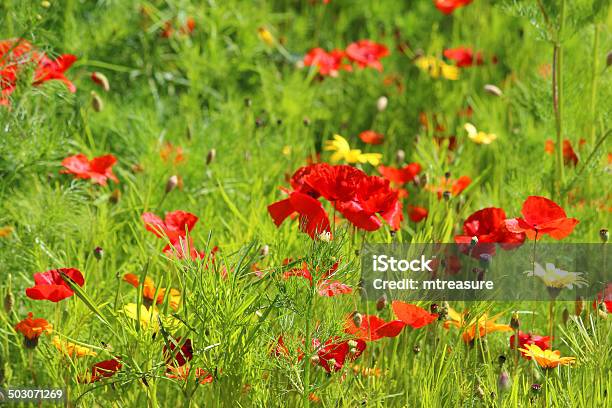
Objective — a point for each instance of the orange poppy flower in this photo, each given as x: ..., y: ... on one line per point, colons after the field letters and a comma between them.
x: 484, y: 324
x: 149, y: 289
x: 32, y: 329
x: 546, y: 358
x: 182, y: 373
x: 72, y: 349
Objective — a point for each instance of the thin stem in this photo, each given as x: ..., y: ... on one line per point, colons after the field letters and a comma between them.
x: 551, y: 321
x: 594, y: 69
x: 557, y: 88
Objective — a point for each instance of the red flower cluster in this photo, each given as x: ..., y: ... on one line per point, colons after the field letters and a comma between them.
x: 364, y: 53
x: 17, y: 53
x: 334, y: 353
x: 489, y: 227
x: 174, y: 227
x: 357, y: 196
x: 448, y: 6
x: 542, y: 216
x: 464, y: 56
x: 325, y: 286
x: 51, y: 285
x: 527, y: 338
x: 99, y: 169
x: 400, y: 176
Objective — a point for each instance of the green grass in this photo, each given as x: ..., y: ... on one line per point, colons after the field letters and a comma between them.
x: 191, y: 91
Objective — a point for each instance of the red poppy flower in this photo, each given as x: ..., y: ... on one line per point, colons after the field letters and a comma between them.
x: 367, y: 53
x: 454, y: 187
x: 417, y: 214
x: 570, y: 158
x: 328, y: 63
x: 374, y: 328
x: 605, y: 297
x: 103, y: 369
x: 463, y: 56
x: 448, y: 6
x: 32, y: 329
x: 329, y: 288
x: 527, y: 339
x: 489, y: 226
x: 313, y: 217
x: 182, y: 354
x: 99, y: 169
x: 371, y: 137
x: 542, y: 216
x: 400, y: 176
x: 15, y: 54
x: 325, y: 286
x: 149, y: 290
x: 334, y: 353
x: 412, y: 315
x: 175, y: 225
x: 334, y: 183
x: 51, y: 285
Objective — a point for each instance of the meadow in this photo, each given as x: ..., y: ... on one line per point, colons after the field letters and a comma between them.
x: 186, y: 188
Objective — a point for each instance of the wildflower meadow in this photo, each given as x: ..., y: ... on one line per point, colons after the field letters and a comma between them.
x: 191, y: 191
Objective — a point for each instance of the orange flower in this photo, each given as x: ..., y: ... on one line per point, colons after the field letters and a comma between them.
x: 484, y: 324
x: 182, y: 373
x: 546, y: 358
x: 72, y: 349
x: 32, y: 329
x: 149, y: 289
x: 170, y: 152
x: 454, y: 187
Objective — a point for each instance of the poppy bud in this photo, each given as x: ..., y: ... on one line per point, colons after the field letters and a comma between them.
x: 447, y: 175
x: 514, y: 321
x: 478, y: 391
x: 210, y: 157
x: 115, y: 196
x: 381, y: 303
x: 100, y: 79
x: 171, y: 184
x: 306, y: 121
x: 501, y: 360
x: 400, y: 155
x: 98, y: 253
x: 485, y: 260
x: 357, y: 319
x: 434, y: 308
x: 9, y: 302
x: 279, y: 122
x: 493, y: 90
x: 381, y: 103
x: 45, y: 4
x: 442, y: 312
x: 602, y: 311
x: 473, y: 242
x: 248, y: 102
x: 609, y: 59
x: 536, y: 389
x: 446, y: 195
x: 565, y: 316
x: 416, y: 349
x: 259, y: 122
x: 259, y: 314
x: 30, y: 343
x: 352, y: 343
x: 504, y: 383
x: 578, y: 305
x: 315, y: 359
x: 264, y: 251
x: 331, y: 362
x: 96, y: 102
x: 604, y: 235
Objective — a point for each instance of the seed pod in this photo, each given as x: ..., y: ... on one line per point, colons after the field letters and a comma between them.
x: 101, y: 79
x: 357, y: 319
x: 400, y: 156
x: 604, y: 235
x: 493, y: 90
x: 504, y: 383
x: 30, y: 343
x: 565, y: 316
x: 264, y: 251
x: 171, y: 183
x: 514, y: 321
x: 536, y: 389
x: 96, y: 102
x: 98, y: 253
x: 381, y: 303
x: 578, y: 305
x: 381, y: 103
x: 210, y: 157
x: 9, y: 302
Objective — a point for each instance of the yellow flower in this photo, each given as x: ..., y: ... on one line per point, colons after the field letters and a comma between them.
x: 546, y: 358
x: 149, y: 318
x: 5, y: 231
x: 484, y: 324
x: 557, y: 278
x: 72, y: 349
x: 265, y: 35
x: 435, y: 67
x: 342, y: 151
x: 477, y: 136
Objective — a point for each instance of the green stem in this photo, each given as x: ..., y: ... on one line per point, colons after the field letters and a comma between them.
x: 307, y: 346
x: 557, y: 84
x: 594, y: 69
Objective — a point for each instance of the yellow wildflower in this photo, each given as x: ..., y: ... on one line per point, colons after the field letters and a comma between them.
x: 546, y: 358
x: 436, y: 68
x: 342, y: 151
x: 477, y: 136
x: 71, y: 349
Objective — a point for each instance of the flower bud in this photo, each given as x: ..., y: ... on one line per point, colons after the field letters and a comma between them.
x: 352, y: 343
x: 565, y: 316
x: 100, y: 79
x: 501, y: 360
x: 210, y: 157
x: 381, y: 303
x: 45, y: 4
x: 446, y: 195
x: 604, y: 235
x: 536, y: 389
x: 357, y: 319
x: 96, y: 102
x: 171, y: 183
x: 115, y: 196
x: 306, y: 121
x: 315, y: 359
x: 9, y: 302
x: 514, y: 321
x: 30, y: 343
x: 353, y: 351
x: 98, y: 253
x: 434, y: 308
x: 578, y: 305
x: 400, y: 156
x: 493, y: 90
x: 504, y: 383
x: 248, y: 102
x: 381, y: 103
x: 416, y: 349
x: 264, y: 251
x: 325, y: 236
